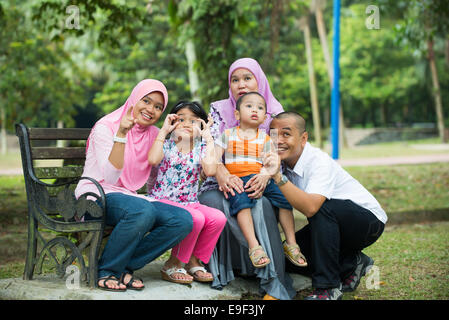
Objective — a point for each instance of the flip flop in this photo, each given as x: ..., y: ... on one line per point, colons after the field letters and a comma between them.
x: 129, y: 285
x: 167, y: 275
x: 192, y: 271
x: 105, y: 287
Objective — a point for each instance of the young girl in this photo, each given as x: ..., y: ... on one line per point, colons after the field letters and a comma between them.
x: 189, y: 148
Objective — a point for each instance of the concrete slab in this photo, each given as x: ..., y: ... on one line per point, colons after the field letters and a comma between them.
x: 50, y: 287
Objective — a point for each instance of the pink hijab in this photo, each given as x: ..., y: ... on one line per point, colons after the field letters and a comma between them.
x: 136, y: 169
x: 226, y: 107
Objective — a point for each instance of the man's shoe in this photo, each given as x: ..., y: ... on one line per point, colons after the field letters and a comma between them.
x: 364, y: 265
x: 325, y: 294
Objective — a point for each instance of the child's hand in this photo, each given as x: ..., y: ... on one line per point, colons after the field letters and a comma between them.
x: 170, y: 123
x: 205, y: 133
x: 257, y: 185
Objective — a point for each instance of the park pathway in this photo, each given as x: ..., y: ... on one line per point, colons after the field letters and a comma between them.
x: 381, y: 161
x: 391, y: 161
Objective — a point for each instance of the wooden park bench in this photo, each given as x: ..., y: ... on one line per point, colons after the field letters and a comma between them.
x: 52, y: 204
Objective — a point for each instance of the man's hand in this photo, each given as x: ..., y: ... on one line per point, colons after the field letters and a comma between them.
x: 257, y: 185
x: 271, y: 163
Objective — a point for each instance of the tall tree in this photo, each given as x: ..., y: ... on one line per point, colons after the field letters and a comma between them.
x: 426, y: 20
x: 317, y: 7
x: 304, y: 26
x: 40, y: 83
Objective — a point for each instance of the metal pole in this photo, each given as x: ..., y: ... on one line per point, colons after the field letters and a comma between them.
x: 335, y: 96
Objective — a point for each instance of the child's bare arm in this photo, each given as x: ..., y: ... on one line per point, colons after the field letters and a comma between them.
x: 156, y: 154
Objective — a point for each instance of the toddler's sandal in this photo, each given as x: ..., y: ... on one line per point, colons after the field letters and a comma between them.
x: 255, y: 258
x: 293, y: 257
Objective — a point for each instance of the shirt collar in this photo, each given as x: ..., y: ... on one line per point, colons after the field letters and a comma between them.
x: 299, y: 166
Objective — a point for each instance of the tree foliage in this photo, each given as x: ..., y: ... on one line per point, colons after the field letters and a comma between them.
x: 50, y: 71
x: 40, y: 84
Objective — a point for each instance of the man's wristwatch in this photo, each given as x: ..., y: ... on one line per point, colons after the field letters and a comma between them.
x: 280, y: 182
x: 121, y: 140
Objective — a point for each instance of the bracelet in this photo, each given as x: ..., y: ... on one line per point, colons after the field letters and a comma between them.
x: 120, y: 140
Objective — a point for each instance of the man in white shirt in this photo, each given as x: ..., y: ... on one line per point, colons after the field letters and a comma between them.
x: 344, y: 218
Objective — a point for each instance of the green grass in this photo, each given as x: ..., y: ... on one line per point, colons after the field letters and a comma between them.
x: 412, y: 259
x: 412, y: 263
x: 406, y: 187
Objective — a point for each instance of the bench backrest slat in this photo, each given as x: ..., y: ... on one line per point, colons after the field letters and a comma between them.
x: 58, y: 153
x: 58, y: 172
x: 58, y: 133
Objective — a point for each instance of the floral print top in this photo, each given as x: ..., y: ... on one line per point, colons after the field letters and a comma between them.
x: 178, y: 175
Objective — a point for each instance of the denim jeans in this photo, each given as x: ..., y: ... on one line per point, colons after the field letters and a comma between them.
x: 143, y: 230
x: 241, y: 200
x: 334, y: 237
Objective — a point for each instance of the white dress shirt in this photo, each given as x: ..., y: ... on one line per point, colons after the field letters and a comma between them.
x: 316, y: 172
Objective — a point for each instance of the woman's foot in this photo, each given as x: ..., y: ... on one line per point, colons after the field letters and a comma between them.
x: 131, y: 282
x: 110, y: 283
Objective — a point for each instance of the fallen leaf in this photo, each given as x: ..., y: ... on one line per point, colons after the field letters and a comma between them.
x: 411, y: 279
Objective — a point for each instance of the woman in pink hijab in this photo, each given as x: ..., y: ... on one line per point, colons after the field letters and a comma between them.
x: 117, y: 157
x: 231, y: 252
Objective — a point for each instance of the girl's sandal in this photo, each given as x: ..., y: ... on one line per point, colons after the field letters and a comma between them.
x: 255, y: 258
x: 192, y: 271
x: 289, y: 251
x: 105, y: 286
x: 168, y: 275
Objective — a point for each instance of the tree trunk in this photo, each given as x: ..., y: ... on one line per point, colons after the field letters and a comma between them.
x: 60, y: 143
x: 436, y: 90
x: 447, y: 52
x: 193, y: 75
x: 317, y: 8
x: 304, y: 24
x: 3, y: 130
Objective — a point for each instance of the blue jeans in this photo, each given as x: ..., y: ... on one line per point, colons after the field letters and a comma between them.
x: 130, y: 246
x: 241, y: 200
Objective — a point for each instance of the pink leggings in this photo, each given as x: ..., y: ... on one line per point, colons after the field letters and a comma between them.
x: 208, y: 223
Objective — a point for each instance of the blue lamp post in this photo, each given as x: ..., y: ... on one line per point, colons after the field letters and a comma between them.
x: 335, y: 95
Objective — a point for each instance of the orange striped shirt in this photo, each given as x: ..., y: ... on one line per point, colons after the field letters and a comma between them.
x: 243, y: 156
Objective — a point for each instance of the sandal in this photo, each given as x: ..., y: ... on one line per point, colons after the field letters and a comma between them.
x: 129, y: 285
x: 289, y: 251
x: 105, y: 286
x: 256, y: 257
x: 192, y: 271
x: 167, y: 275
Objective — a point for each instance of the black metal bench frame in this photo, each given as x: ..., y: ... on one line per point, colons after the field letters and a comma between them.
x: 54, y: 206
